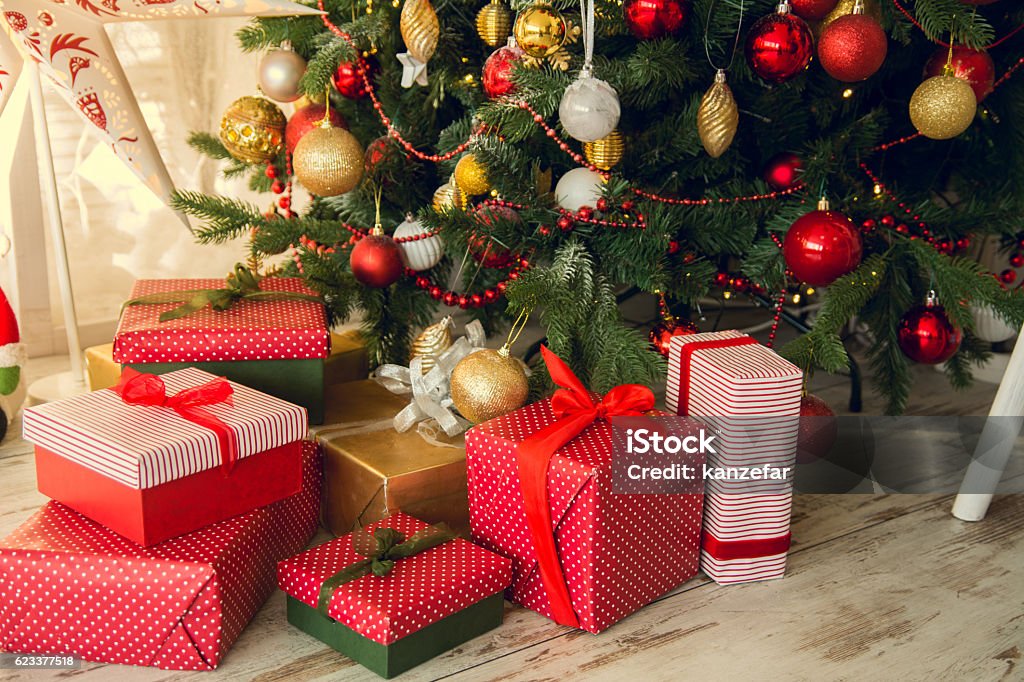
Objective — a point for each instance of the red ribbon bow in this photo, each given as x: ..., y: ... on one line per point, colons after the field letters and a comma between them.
x: 136, y: 388
x: 575, y: 408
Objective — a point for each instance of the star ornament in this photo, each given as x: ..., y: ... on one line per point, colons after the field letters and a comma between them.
x: 67, y: 39
x: 413, y: 70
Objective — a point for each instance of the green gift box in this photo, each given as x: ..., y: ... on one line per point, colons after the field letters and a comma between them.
x: 395, y: 594
x: 272, y: 336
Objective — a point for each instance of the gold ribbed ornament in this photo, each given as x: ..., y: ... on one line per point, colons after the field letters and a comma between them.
x: 942, y: 107
x: 718, y: 117
x: 328, y: 161
x: 432, y: 341
x: 540, y: 30
x: 487, y: 384
x: 448, y: 197
x: 606, y: 152
x: 252, y: 130
x: 471, y: 176
x: 494, y: 23
x: 420, y: 29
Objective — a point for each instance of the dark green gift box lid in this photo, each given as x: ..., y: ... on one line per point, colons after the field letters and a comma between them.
x: 429, y: 603
x: 274, y: 346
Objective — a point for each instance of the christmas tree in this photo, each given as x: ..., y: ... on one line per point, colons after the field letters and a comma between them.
x: 678, y: 147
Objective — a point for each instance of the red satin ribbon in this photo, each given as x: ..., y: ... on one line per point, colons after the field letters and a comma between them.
x: 726, y: 550
x: 575, y: 409
x: 136, y: 388
x: 686, y: 357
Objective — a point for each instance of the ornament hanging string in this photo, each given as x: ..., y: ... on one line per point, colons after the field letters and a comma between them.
x: 587, y: 19
x: 736, y: 40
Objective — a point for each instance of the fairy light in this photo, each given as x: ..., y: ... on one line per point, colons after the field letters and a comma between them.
x: 796, y: 298
x: 810, y: 291
x: 847, y: 93
x: 877, y: 190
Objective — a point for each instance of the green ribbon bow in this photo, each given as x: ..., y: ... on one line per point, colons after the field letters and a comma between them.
x: 382, y: 549
x: 242, y: 284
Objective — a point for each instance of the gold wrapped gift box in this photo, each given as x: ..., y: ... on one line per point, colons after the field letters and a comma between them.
x: 372, y: 471
x: 348, y: 362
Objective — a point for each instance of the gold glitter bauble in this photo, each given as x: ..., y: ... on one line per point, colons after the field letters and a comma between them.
x: 420, y: 29
x: 487, y: 384
x: 943, y: 107
x: 252, y: 130
x: 494, y: 23
x: 718, y: 117
x: 606, y: 152
x: 842, y: 8
x: 540, y: 31
x: 471, y: 176
x: 448, y: 196
x: 432, y: 341
x: 328, y: 161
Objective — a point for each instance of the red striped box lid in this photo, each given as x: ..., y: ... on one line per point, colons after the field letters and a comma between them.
x: 142, y: 446
x: 248, y: 330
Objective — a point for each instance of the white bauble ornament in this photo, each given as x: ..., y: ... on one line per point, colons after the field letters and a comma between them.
x: 280, y: 73
x: 988, y: 327
x: 418, y: 254
x: 589, y: 109
x: 578, y: 188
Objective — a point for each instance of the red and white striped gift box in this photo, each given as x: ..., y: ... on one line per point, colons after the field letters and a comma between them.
x: 149, y: 474
x: 751, y: 397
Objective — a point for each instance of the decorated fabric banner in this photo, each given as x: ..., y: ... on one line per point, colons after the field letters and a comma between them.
x: 71, y: 46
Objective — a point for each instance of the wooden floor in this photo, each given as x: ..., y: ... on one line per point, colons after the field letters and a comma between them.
x: 878, y: 587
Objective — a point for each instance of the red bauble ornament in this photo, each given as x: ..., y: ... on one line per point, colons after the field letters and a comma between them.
x: 348, y: 81
x: 821, y: 246
x: 782, y: 171
x: 482, y: 247
x: 497, y: 75
x: 376, y: 261
x: 852, y: 48
x: 661, y: 334
x: 927, y: 336
x: 650, y: 19
x: 779, y: 46
x: 973, y: 66
x: 307, y: 118
x: 813, y: 10
x: 818, y: 429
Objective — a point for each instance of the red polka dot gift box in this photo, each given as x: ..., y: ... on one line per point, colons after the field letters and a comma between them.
x: 69, y: 586
x: 277, y: 345
x: 751, y: 396
x: 396, y: 593
x: 540, y: 493
x: 156, y: 457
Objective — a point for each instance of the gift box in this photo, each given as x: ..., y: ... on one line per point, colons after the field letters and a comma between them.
x: 395, y: 594
x: 601, y: 555
x: 189, y: 450
x: 752, y: 398
x: 275, y: 346
x: 371, y: 470
x: 348, y: 361
x: 69, y: 586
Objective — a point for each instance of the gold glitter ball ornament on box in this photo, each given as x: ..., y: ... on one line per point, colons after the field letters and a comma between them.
x: 718, y: 117
x: 942, y: 107
x: 494, y: 23
x: 606, y: 152
x: 487, y: 384
x: 420, y: 29
x: 471, y: 176
x: 328, y: 161
x: 252, y: 130
x: 540, y: 30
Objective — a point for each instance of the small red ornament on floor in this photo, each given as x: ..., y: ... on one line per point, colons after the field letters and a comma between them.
x: 821, y: 246
x: 926, y: 335
x: 852, y: 48
x: 779, y: 46
x: 782, y: 171
x: 651, y: 19
x: 818, y: 429
x: 661, y: 334
x: 376, y: 260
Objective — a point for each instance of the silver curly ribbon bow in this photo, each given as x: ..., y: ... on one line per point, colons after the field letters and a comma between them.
x: 431, y: 400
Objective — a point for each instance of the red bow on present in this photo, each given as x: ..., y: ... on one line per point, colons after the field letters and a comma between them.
x: 136, y: 388
x: 575, y: 409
